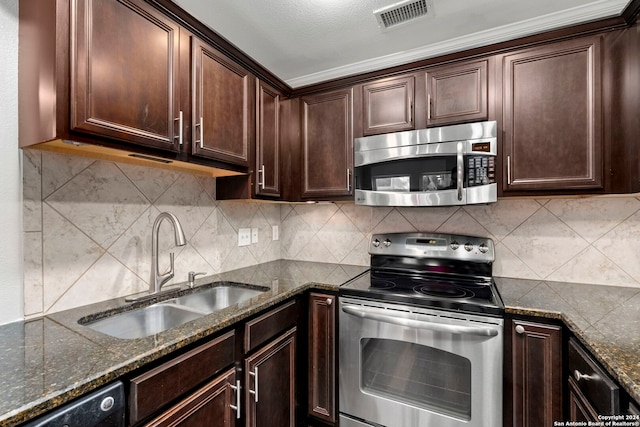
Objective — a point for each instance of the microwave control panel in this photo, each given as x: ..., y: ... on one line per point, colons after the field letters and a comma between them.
x: 480, y: 170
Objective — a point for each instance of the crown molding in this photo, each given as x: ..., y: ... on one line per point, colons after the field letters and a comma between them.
x: 577, y: 15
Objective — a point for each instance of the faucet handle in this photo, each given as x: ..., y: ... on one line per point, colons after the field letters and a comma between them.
x: 192, y: 277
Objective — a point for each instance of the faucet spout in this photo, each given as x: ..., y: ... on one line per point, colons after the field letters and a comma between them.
x: 158, y: 279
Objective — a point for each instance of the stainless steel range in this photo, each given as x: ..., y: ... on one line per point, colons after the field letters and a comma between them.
x: 421, y: 335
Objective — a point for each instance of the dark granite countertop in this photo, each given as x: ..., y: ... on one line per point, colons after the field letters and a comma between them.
x: 606, y: 319
x: 48, y: 361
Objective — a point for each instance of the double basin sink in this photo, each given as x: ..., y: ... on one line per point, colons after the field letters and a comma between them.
x: 161, y: 316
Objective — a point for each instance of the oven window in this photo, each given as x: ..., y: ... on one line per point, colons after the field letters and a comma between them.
x: 417, y: 375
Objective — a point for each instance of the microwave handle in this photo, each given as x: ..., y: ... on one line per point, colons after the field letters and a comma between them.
x: 460, y: 170
x: 373, y: 314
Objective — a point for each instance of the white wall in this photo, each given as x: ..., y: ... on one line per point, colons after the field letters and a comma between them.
x: 10, y: 174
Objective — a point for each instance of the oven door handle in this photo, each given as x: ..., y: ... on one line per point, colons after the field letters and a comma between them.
x: 374, y: 314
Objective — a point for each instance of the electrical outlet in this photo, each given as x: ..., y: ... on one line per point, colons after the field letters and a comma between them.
x: 254, y: 235
x: 244, y: 237
x: 274, y: 232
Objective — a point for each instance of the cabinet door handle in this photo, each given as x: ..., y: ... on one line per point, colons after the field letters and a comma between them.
x: 429, y: 107
x: 329, y: 302
x: 348, y: 179
x: 520, y: 329
x: 179, y: 135
x: 509, y: 170
x: 460, y: 171
x: 255, y: 384
x: 580, y: 376
x: 236, y: 407
x: 261, y: 178
x: 200, y: 141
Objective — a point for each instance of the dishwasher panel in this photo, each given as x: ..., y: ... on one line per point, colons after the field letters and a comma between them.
x: 102, y: 408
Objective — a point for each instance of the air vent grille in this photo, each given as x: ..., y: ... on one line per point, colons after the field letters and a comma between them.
x: 402, y: 12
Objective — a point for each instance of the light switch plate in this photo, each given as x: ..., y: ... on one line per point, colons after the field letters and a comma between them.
x: 254, y: 235
x: 244, y: 237
x: 275, y: 232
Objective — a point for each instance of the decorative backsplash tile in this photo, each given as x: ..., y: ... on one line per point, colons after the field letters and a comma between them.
x: 87, y: 227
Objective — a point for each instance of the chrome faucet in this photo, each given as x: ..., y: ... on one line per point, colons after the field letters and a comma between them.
x: 157, y: 279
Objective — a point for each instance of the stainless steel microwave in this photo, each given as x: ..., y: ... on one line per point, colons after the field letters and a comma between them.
x: 450, y: 165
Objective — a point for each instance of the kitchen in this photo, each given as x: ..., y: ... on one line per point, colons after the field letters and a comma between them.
x: 558, y: 240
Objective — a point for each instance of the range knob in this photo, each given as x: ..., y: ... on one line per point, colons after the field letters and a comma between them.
x: 376, y: 243
x: 454, y: 245
x: 468, y: 247
x: 387, y: 243
x: 483, y: 248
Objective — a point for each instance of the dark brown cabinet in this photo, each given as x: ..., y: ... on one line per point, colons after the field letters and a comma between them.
x: 552, y: 117
x: 327, y: 144
x: 533, y: 387
x: 270, y: 384
x: 267, y: 182
x: 223, y: 106
x: 215, y: 404
x: 579, y: 407
x: 387, y: 105
x: 457, y: 93
x: 114, y: 44
x: 152, y: 390
x: 322, y: 357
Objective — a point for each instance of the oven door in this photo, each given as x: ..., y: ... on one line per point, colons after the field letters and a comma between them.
x: 403, y: 366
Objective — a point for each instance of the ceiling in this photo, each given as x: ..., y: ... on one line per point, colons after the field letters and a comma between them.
x: 308, y: 41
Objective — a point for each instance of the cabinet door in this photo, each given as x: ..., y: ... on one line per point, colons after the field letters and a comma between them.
x: 270, y: 384
x: 215, y: 404
x: 322, y: 357
x: 327, y: 144
x: 223, y: 106
x: 536, y: 363
x: 388, y: 105
x: 552, y: 117
x: 457, y: 93
x: 267, y: 140
x: 124, y: 81
x: 579, y: 408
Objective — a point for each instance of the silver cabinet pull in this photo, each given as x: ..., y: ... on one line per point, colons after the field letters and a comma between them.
x: 200, y: 141
x: 509, y: 170
x: 255, y: 384
x: 429, y: 107
x: 179, y: 135
x: 236, y: 407
x: 348, y: 179
x: 520, y: 329
x: 329, y: 302
x: 261, y: 178
x: 460, y: 171
x: 580, y: 376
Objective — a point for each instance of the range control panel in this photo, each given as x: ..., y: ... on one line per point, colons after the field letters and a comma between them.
x: 428, y: 245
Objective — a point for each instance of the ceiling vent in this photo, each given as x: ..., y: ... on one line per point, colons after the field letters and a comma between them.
x: 403, y: 12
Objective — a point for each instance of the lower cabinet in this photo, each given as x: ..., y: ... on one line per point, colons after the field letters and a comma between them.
x: 322, y: 358
x: 215, y: 404
x: 533, y: 388
x: 246, y: 376
x: 269, y: 377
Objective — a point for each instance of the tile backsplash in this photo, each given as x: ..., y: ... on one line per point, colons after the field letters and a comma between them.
x: 87, y: 231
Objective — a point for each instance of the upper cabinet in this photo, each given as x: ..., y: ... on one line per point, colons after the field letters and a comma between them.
x: 327, y: 144
x: 115, y: 45
x: 267, y: 174
x: 552, y: 117
x: 457, y: 93
x: 387, y: 105
x: 223, y: 106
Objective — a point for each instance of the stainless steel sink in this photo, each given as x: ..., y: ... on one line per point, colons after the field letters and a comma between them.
x: 145, y: 321
x: 217, y: 298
